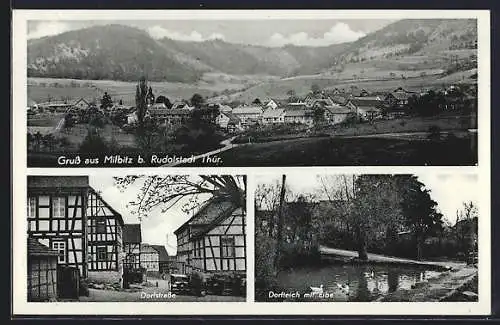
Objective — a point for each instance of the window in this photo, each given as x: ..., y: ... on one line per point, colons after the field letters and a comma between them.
x: 227, y: 246
x: 58, y: 207
x: 100, y: 226
x: 60, y: 247
x: 32, y: 207
x: 102, y: 253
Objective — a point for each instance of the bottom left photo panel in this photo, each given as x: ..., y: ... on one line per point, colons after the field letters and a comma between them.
x: 103, y: 237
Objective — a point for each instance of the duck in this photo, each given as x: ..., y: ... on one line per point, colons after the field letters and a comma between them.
x: 344, y: 288
x: 317, y: 289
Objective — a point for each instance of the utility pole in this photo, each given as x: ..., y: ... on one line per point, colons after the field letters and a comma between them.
x: 279, y: 235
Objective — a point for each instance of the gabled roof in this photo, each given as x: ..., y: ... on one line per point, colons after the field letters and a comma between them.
x: 207, y: 213
x: 158, y: 106
x: 162, y: 253
x: 215, y: 221
x: 247, y: 110
x: 232, y: 118
x: 271, y: 113
x: 337, y: 109
x: 338, y: 99
x: 116, y: 213
x: 35, y: 248
x: 366, y: 101
x: 81, y: 100
x: 132, y: 233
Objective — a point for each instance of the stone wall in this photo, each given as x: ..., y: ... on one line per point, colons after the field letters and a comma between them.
x: 104, y: 277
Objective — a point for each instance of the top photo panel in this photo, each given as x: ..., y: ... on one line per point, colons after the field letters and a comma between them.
x: 253, y: 92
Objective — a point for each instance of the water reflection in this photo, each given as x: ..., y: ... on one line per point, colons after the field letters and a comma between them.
x: 354, y: 283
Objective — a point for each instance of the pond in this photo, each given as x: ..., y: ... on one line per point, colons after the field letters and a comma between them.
x: 351, y: 282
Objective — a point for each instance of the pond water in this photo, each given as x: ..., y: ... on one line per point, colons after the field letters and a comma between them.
x: 352, y: 282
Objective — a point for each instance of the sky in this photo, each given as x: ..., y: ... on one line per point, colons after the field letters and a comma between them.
x: 448, y: 190
x: 272, y: 33
x: 158, y: 228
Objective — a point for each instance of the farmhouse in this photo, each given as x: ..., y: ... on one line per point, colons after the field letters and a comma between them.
x: 150, y: 259
x: 132, y: 246
x: 301, y: 116
x: 248, y: 114
x: 170, y: 116
x: 228, y: 121
x: 273, y: 116
x: 213, y: 240
x: 337, y: 114
x: 81, y: 104
x: 68, y: 216
x: 368, y: 108
x: 398, y: 98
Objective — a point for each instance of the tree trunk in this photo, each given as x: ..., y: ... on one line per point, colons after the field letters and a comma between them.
x: 362, y: 252
x: 279, y: 235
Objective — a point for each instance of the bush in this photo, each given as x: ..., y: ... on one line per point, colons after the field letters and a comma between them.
x: 93, y: 143
x: 434, y: 133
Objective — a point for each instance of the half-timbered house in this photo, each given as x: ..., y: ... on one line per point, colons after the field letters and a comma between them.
x: 57, y: 217
x: 132, y: 246
x: 150, y: 259
x: 105, y: 243
x: 213, y: 240
x: 70, y: 217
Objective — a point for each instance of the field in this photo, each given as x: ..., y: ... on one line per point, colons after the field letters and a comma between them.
x: 43, y: 89
x: 329, y: 151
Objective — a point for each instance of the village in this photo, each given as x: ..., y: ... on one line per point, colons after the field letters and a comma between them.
x: 83, y: 126
x: 80, y: 249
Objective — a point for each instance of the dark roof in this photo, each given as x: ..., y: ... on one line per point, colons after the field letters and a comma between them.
x: 223, y: 215
x: 132, y: 233
x: 207, y: 213
x: 58, y: 181
x: 366, y: 102
x: 162, y: 253
x: 38, y: 249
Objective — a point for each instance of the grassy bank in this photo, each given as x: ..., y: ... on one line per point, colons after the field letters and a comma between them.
x: 354, y: 151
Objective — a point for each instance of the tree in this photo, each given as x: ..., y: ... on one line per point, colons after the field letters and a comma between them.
x: 106, y: 101
x: 419, y: 210
x: 257, y: 101
x: 197, y: 100
x: 279, y: 233
x: 165, y: 192
x: 150, y: 97
x: 163, y: 100
x: 315, y: 89
x: 140, y: 100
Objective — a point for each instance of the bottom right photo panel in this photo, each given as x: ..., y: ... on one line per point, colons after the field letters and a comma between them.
x: 366, y: 237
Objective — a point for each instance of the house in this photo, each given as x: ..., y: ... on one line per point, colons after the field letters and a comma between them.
x: 302, y: 116
x: 368, y: 108
x: 104, y: 240
x: 132, y: 246
x: 272, y: 104
x: 81, y: 104
x: 273, y: 116
x: 398, y: 98
x: 166, y: 263
x: 55, y: 106
x: 225, y: 108
x: 337, y: 114
x: 222, y: 120
x: 213, y: 240
x: 150, y: 259
x: 248, y: 115
x: 171, y: 116
x: 42, y: 272
x: 67, y: 215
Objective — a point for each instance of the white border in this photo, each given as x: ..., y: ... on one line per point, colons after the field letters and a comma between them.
x: 20, y: 170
